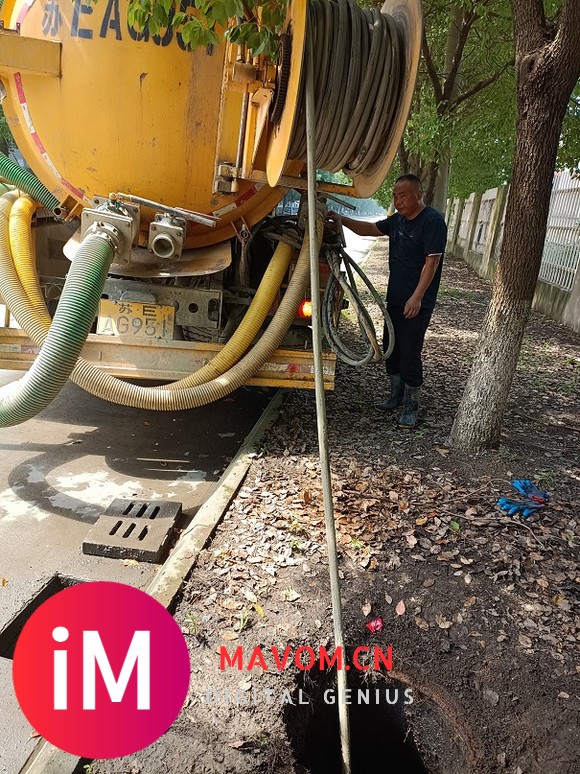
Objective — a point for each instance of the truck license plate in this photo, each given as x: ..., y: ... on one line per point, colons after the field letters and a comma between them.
x: 131, y: 319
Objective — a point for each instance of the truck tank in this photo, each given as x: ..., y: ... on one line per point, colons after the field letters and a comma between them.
x: 175, y: 159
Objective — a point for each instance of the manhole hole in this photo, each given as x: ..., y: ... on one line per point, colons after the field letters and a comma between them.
x: 11, y: 631
x: 380, y: 736
x: 395, y: 725
x: 133, y: 529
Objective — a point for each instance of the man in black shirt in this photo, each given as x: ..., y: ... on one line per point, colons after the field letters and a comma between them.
x: 417, y: 238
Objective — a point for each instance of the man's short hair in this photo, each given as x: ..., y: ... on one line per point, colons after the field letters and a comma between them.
x: 410, y: 179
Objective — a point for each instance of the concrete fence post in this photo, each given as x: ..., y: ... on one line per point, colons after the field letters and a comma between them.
x: 459, y: 207
x: 487, y: 268
x: 471, y: 226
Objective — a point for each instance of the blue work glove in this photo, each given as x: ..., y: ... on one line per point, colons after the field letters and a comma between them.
x: 524, y: 508
x: 529, y: 490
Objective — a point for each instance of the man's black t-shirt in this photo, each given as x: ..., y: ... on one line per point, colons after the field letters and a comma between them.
x: 410, y: 242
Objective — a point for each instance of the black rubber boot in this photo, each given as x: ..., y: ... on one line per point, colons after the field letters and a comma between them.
x: 396, y: 399
x: 410, y: 407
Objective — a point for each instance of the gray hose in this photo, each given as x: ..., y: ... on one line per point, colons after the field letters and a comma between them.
x: 357, y: 84
x: 366, y: 325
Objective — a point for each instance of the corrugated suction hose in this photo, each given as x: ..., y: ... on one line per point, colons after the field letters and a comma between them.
x: 62, y: 344
x: 224, y: 376
x: 26, y: 182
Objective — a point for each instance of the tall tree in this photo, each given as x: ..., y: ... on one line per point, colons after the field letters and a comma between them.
x: 461, y: 128
x: 467, y: 49
x: 548, y: 69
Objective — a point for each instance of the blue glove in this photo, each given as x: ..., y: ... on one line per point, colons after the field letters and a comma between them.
x: 529, y: 490
x: 512, y: 507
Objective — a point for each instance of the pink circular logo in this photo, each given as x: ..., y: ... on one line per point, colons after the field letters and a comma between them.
x: 101, y: 670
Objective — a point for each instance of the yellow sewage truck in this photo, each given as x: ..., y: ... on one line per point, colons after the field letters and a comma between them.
x: 140, y: 241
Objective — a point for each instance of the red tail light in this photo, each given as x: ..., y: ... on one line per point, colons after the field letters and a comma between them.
x: 305, y: 308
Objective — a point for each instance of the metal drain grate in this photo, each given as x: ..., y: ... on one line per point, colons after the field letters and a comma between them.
x: 133, y: 529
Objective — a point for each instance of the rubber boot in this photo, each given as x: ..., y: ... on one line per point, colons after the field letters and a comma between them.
x: 396, y: 398
x: 410, y: 407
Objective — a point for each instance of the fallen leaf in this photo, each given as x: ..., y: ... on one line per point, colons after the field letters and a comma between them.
x: 229, y: 635
x: 130, y: 562
x: 455, y: 526
x: 525, y: 641
x: 3, y: 582
x: 411, y: 540
x: 422, y: 623
x: 230, y: 604
x: 259, y: 610
x: 428, y: 583
x: 443, y: 452
x: 442, y: 622
x: 422, y: 521
x: 400, y: 609
x: 366, y: 608
x: 290, y: 595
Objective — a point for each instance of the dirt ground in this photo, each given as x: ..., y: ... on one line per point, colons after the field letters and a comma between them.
x: 481, y: 609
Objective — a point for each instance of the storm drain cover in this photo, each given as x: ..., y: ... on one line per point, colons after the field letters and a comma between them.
x: 133, y: 529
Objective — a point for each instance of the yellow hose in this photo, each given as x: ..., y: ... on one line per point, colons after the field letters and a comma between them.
x: 224, y: 376
x: 23, y: 254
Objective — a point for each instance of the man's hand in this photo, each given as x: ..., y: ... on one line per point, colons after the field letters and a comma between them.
x: 412, y: 307
x: 334, y: 221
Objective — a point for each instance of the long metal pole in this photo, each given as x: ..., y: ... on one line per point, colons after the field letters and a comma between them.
x: 321, y: 411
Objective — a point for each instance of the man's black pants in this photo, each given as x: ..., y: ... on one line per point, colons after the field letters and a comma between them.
x: 409, y: 337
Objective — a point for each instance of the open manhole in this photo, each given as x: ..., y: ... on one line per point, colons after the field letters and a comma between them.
x: 11, y: 631
x: 392, y: 727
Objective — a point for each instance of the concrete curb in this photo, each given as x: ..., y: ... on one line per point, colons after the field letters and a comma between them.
x: 47, y: 759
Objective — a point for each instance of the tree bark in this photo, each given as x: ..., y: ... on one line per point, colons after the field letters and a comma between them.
x: 547, y: 74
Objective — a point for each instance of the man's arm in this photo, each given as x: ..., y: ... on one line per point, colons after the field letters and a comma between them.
x: 360, y: 227
x: 413, y: 305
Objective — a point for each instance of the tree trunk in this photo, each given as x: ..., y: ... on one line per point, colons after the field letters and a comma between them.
x: 441, y: 182
x: 544, y: 88
x: 441, y: 187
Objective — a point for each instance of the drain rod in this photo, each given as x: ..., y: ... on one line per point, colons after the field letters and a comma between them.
x: 313, y: 225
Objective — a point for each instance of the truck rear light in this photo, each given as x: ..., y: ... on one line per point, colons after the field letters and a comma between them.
x: 305, y: 308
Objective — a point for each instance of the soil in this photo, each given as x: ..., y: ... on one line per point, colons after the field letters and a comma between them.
x: 480, y: 608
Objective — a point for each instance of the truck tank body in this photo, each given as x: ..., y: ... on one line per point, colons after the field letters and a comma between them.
x: 127, y: 111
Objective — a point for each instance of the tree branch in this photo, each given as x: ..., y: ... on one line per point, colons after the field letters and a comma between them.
x: 566, y: 40
x: 477, y: 87
x: 431, y: 70
x: 468, y: 21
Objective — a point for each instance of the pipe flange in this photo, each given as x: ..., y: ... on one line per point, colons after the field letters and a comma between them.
x: 109, y: 233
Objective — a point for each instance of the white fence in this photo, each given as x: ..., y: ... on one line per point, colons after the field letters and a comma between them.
x: 561, y: 258
x: 562, y: 247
